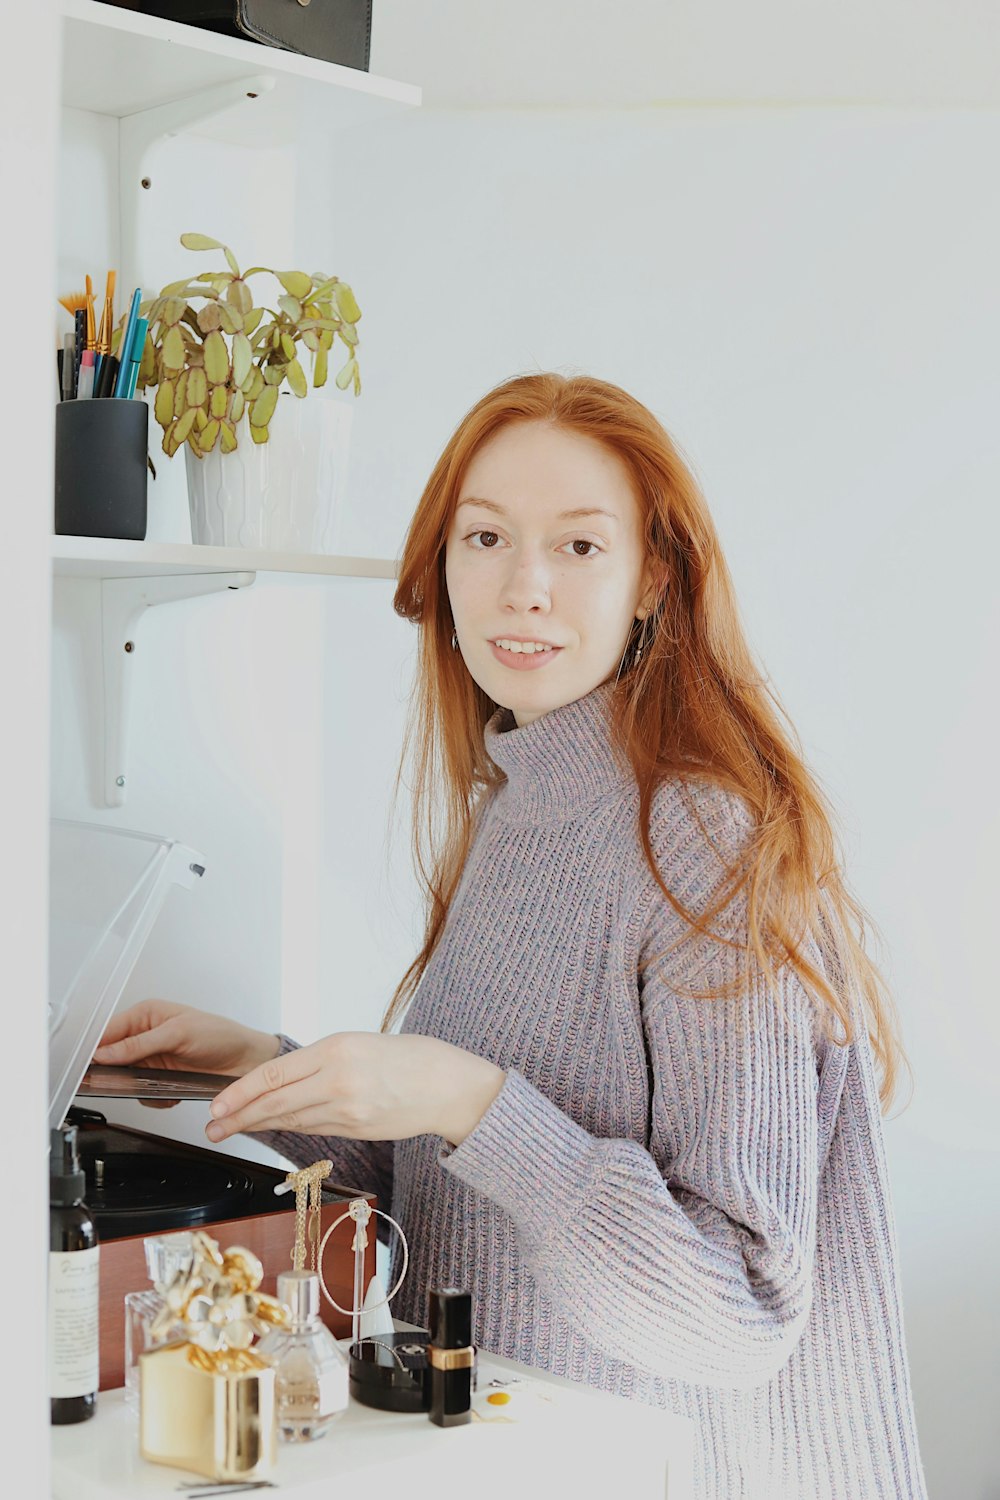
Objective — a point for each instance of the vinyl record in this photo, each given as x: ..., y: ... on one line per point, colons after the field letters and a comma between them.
x: 145, y: 1193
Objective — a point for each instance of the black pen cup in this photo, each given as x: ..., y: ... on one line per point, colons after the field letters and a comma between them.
x: 101, y: 449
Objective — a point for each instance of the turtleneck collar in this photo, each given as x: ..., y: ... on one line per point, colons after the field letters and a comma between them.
x: 561, y: 762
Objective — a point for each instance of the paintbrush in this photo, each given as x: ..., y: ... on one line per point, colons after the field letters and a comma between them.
x: 83, y: 303
x: 74, y: 303
x: 107, y: 317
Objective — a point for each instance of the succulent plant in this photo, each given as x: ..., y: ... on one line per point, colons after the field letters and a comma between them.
x: 215, y: 363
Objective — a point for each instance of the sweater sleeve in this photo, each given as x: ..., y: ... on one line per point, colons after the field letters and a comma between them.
x: 363, y: 1165
x: 690, y: 1255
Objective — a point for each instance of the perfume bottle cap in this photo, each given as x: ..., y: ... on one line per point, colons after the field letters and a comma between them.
x: 299, y: 1291
x: 168, y: 1254
x: 66, y: 1180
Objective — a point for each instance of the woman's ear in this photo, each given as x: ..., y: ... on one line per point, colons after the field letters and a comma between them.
x: 655, y: 584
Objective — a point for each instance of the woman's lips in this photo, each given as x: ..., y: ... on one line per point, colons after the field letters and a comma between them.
x: 520, y: 661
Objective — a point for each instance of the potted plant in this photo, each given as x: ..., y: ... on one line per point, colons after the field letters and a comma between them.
x: 226, y: 371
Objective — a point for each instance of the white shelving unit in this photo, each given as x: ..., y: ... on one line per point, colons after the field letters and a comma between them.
x: 103, y: 557
x: 122, y: 63
x: 159, y: 78
x: 156, y: 78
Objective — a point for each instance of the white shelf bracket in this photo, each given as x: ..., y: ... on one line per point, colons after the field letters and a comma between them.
x: 138, y: 136
x: 123, y: 603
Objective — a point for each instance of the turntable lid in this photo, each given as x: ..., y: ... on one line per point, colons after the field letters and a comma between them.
x: 107, y: 887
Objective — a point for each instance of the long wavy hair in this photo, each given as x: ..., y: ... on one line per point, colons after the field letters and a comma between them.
x: 690, y: 704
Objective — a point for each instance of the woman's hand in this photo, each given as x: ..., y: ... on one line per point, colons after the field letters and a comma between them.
x: 160, y: 1035
x: 369, y: 1086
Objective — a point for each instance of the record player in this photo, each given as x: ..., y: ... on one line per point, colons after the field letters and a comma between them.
x: 107, y: 887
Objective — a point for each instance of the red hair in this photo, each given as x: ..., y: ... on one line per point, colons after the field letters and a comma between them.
x: 694, y: 706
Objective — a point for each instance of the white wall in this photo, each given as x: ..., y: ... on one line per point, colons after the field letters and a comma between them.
x: 479, y: 54
x: 808, y: 301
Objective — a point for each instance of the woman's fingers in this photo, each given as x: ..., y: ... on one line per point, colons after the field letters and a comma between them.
x: 142, y: 1016
x: 266, y: 1079
x: 135, y: 1046
x: 136, y: 1018
x: 292, y: 1108
x: 317, y: 1119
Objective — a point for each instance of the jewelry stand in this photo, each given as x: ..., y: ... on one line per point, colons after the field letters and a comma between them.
x: 307, y: 1186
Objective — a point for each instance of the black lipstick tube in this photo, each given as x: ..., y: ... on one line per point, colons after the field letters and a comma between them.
x: 450, y: 1356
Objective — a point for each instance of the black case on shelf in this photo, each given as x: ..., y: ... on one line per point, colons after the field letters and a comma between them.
x: 337, y: 31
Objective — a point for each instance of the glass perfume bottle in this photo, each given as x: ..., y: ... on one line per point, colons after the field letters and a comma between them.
x: 166, y: 1254
x: 310, y: 1368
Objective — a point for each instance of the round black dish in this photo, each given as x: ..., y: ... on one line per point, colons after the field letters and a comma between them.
x: 388, y: 1371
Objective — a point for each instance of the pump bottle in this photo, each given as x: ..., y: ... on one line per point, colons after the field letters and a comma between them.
x: 74, y: 1373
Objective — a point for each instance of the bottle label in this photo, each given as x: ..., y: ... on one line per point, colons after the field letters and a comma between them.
x: 73, y: 1339
x: 333, y: 1390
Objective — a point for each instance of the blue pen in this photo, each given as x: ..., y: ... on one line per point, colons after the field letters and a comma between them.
x: 124, y: 351
x: 135, y: 356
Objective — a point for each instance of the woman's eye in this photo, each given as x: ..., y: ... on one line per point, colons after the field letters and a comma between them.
x: 578, y: 541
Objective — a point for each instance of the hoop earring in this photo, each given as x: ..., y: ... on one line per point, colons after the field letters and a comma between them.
x: 361, y: 1211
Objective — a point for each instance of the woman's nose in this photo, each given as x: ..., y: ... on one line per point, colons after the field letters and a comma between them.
x: 526, y: 582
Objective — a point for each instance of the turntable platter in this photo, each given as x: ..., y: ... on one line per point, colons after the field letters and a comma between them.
x: 131, y: 1193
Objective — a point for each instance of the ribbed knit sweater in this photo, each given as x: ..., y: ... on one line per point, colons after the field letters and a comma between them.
x: 683, y: 1201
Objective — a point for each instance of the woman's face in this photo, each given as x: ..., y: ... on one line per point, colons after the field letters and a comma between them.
x: 517, y: 565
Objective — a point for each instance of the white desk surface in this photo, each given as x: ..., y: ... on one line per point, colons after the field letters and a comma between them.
x: 560, y: 1435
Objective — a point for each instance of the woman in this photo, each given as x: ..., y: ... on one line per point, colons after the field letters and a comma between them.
x: 632, y: 1104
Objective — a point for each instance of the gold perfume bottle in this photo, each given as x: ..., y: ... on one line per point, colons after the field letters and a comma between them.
x: 206, y: 1398
x: 218, y: 1421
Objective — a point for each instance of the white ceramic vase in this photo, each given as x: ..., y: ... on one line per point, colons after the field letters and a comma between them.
x: 284, y: 495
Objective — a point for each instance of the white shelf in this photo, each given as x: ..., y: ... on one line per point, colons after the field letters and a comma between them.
x: 102, y: 557
x: 120, y: 62
x: 587, y: 1437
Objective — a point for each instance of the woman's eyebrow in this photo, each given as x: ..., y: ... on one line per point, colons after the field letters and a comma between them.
x: 564, y: 515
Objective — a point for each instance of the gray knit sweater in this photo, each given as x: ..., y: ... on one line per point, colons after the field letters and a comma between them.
x: 682, y: 1201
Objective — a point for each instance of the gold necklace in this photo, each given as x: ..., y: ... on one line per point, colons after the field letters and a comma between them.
x: 308, y: 1185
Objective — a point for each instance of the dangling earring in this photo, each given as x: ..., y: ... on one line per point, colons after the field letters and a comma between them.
x: 454, y: 640
x: 638, y: 652
x: 642, y: 639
